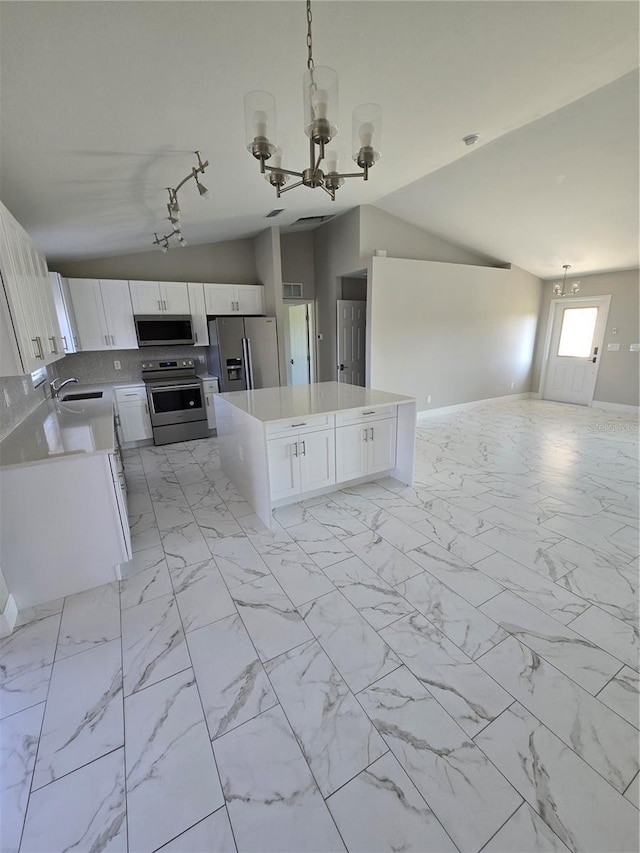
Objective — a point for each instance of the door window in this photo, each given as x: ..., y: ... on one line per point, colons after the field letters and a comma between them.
x: 576, y: 335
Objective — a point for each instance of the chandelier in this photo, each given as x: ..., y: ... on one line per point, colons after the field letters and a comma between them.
x: 558, y: 287
x: 320, y: 99
x: 173, y: 206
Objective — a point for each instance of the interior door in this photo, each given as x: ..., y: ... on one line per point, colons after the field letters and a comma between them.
x: 575, y: 348
x: 351, y: 341
x: 297, y: 345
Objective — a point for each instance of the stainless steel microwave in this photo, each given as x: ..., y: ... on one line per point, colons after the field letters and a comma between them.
x: 154, y: 330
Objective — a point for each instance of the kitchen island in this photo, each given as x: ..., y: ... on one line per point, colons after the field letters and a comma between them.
x: 283, y: 445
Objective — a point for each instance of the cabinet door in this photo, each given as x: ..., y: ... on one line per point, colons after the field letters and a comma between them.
x: 317, y: 460
x: 119, y: 313
x: 211, y: 415
x: 198, y: 314
x: 219, y: 299
x: 145, y: 297
x: 53, y: 349
x: 89, y: 310
x: 381, y: 446
x: 61, y: 310
x: 135, y: 423
x: 23, y: 318
x: 351, y: 452
x: 284, y: 467
x: 249, y: 298
x: 174, y: 297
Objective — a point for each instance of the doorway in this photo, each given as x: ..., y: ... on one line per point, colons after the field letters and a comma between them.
x: 299, y: 350
x: 576, y: 333
x: 352, y: 324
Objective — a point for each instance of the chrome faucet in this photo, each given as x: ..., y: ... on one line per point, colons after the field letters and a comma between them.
x: 56, y: 389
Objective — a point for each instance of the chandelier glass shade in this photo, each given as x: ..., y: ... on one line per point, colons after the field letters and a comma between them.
x: 320, y: 109
x: 559, y: 287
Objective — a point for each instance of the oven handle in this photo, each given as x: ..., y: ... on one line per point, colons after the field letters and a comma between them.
x: 174, y: 387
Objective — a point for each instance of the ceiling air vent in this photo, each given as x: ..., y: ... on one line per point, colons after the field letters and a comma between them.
x: 291, y: 290
x: 311, y: 221
x: 275, y: 212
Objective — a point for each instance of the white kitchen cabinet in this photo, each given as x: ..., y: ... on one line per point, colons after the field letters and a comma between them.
x: 198, y: 314
x: 234, y: 299
x: 210, y: 388
x: 159, y: 297
x: 104, y: 313
x: 30, y: 334
x: 65, y: 312
x: 364, y: 448
x: 133, y: 417
x: 301, y: 462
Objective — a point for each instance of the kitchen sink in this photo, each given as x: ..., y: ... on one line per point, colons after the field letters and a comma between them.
x: 88, y: 395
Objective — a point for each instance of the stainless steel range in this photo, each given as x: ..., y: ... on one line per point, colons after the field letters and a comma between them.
x: 176, y: 400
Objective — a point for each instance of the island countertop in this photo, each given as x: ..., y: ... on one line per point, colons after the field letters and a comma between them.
x: 296, y: 401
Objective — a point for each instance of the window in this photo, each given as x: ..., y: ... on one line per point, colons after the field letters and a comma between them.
x: 38, y: 376
x: 576, y: 335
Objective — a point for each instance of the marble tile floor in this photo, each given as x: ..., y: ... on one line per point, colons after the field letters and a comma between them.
x: 447, y: 667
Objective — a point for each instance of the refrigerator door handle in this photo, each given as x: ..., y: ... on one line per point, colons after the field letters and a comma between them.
x: 248, y: 367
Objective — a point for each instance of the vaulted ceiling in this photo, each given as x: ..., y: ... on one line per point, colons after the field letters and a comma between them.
x: 103, y: 103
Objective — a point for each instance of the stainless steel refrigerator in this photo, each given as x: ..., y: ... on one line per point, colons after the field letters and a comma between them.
x: 243, y: 352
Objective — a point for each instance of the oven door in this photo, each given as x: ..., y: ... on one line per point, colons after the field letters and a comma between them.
x: 176, y: 403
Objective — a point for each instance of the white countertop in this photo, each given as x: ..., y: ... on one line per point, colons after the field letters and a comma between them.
x: 57, y: 429
x: 274, y: 404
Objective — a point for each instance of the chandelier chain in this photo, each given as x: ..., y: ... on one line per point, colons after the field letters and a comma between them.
x: 310, y: 64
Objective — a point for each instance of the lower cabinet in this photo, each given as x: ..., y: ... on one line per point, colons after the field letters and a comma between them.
x: 301, y: 463
x: 210, y: 388
x: 133, y: 413
x: 365, y: 448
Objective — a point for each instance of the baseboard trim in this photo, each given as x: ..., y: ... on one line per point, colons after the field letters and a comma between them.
x: 473, y: 404
x: 8, y: 616
x: 615, y: 407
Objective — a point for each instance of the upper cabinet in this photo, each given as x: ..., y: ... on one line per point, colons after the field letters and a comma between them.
x: 64, y: 310
x: 30, y: 332
x: 159, y: 297
x: 104, y: 314
x: 198, y: 314
x: 234, y: 299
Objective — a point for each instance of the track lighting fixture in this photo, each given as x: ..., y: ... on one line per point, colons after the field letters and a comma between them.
x: 173, y: 206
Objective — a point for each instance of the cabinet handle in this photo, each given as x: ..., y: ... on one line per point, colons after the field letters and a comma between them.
x: 64, y: 343
x: 54, y: 348
x: 39, y: 353
x: 371, y: 433
x: 304, y: 423
x: 295, y: 449
x: 196, y: 337
x: 365, y: 432
x: 113, y: 341
x: 304, y: 448
x: 159, y: 305
x: 146, y: 408
x: 106, y: 340
x: 370, y: 413
x: 75, y: 342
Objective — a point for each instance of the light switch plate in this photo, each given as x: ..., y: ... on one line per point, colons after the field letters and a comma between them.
x: 634, y: 348
x: 613, y: 347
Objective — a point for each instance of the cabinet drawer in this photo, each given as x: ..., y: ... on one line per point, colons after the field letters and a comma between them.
x: 302, y: 424
x: 134, y: 392
x: 210, y: 386
x: 359, y: 416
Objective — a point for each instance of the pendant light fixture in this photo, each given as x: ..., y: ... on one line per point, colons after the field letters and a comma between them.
x: 559, y: 287
x: 320, y: 101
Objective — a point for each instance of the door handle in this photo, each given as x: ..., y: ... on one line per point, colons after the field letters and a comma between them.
x: 595, y: 354
x: 295, y: 449
x: 304, y: 447
x: 291, y: 362
x: 371, y: 430
x: 365, y: 433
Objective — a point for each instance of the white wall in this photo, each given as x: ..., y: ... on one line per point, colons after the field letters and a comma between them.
x: 269, y: 271
x: 618, y: 374
x: 297, y: 260
x: 456, y: 332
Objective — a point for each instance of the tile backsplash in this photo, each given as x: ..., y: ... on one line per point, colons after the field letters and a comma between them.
x: 93, y: 367
x: 87, y: 368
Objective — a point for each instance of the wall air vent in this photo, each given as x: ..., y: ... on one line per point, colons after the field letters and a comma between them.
x: 311, y: 221
x: 275, y: 212
x: 292, y: 290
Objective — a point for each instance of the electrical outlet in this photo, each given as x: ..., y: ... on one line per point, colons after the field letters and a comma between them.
x: 428, y: 398
x: 201, y: 359
x: 7, y: 398
x: 116, y: 365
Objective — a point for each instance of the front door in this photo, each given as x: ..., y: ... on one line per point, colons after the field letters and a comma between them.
x: 297, y: 344
x: 351, y: 341
x: 577, y: 334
